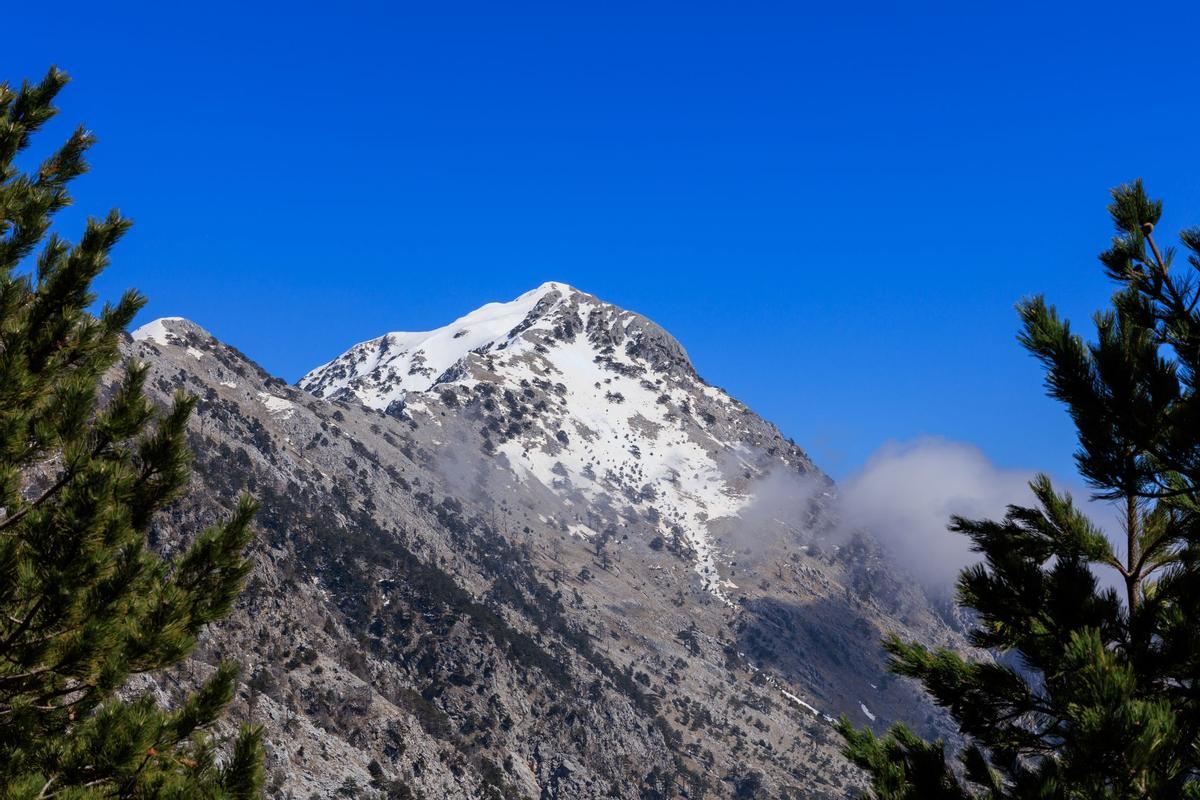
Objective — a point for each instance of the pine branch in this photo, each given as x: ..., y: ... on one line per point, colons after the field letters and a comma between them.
x: 54, y: 489
x: 21, y: 628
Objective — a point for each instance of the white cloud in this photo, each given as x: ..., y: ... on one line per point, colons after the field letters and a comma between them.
x: 906, y: 493
x: 904, y: 496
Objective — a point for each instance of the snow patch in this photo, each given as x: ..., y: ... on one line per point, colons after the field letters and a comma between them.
x: 277, y: 405
x: 800, y: 702
x: 156, y: 331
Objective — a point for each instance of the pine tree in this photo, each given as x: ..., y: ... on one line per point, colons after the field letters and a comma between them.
x: 84, y: 604
x: 1097, y: 692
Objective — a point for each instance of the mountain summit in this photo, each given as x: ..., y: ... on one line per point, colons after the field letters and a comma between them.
x: 597, y: 404
x: 382, y: 371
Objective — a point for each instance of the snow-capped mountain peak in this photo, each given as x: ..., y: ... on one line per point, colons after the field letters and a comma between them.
x: 597, y: 404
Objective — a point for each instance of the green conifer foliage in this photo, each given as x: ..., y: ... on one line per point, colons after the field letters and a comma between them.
x: 84, y: 605
x: 1098, y: 696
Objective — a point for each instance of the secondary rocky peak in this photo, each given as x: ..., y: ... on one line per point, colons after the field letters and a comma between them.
x: 168, y: 330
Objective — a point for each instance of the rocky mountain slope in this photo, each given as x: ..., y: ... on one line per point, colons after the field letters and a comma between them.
x: 533, y: 554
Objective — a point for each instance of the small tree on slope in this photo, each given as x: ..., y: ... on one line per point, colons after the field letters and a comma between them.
x: 1106, y: 703
x: 83, y: 604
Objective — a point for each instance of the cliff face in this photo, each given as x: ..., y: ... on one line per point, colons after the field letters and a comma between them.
x: 533, y: 554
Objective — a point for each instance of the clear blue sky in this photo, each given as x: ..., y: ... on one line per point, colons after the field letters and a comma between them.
x: 833, y: 206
